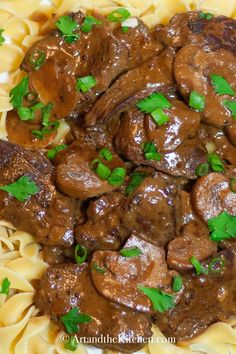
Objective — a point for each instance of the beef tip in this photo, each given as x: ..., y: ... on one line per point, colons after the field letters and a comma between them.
x: 206, y: 299
x: 189, y: 28
x: 153, y: 75
x: 122, y: 275
x: 75, y: 176
x: 230, y: 132
x: 48, y: 215
x: 57, y: 255
x: 193, y: 241
x: 193, y: 67
x: 212, y: 195
x: 102, y: 230
x: 150, y: 208
x: 64, y: 287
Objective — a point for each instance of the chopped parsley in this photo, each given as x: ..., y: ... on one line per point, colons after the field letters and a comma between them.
x: 160, y: 300
x: 5, y: 287
x: 215, y: 162
x: 130, y: 252
x: 152, y: 102
x: 67, y: 25
x: 221, y: 86
x: 205, y: 15
x: 231, y: 105
x: 37, y: 59
x: 2, y: 39
x: 222, y: 227
x: 98, y: 269
x: 88, y: 24
x: 73, y: 318
x: 136, y: 179
x: 119, y: 15
x: 19, y: 92
x: 52, y: 153
x: 22, y: 189
x: 80, y: 254
x: 28, y: 113
x: 197, y: 101
x: 85, y: 83
x: 150, y: 151
x: 177, y: 283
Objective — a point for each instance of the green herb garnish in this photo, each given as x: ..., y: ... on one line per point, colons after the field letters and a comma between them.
x: 37, y: 59
x: 40, y: 134
x: 80, y: 254
x: 159, y: 117
x: 231, y: 105
x: 177, y: 283
x: 22, y: 189
x: 106, y: 154
x: 202, y: 169
x: 161, y: 301
x: 88, y: 24
x: 221, y: 86
x: 125, y: 29
x: 5, y: 287
x: 25, y: 113
x: 19, y: 92
x: 67, y: 25
x: 98, y: 269
x: 101, y: 170
x: 152, y: 102
x: 136, y: 179
x: 117, y: 176
x: 215, y: 162
x: 197, y: 101
x: 85, y: 83
x: 52, y: 153
x: 130, y: 252
x: 72, y: 345
x: 73, y: 318
x: 150, y: 151
x: 222, y: 227
x: 205, y: 15
x: 119, y: 15
x: 199, y: 269
x: 2, y: 39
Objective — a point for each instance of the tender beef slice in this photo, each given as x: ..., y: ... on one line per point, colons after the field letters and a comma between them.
x: 75, y: 176
x: 48, y: 215
x: 212, y: 195
x: 122, y: 275
x: 193, y: 241
x: 230, y: 132
x: 150, y: 208
x: 206, y: 300
x: 153, y: 75
x: 193, y: 67
x: 102, y: 230
x: 188, y: 28
x: 64, y: 287
x: 57, y: 255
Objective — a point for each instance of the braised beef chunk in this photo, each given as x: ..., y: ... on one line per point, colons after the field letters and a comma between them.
x: 75, y: 175
x: 48, y: 215
x: 194, y: 67
x: 64, y: 287
x: 102, y: 229
x: 206, y: 300
x: 150, y: 208
x: 122, y: 275
x: 189, y: 28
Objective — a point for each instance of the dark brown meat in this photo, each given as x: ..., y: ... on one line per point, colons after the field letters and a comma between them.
x: 230, y: 132
x: 99, y: 53
x: 103, y: 230
x: 206, y: 300
x: 57, y: 255
x: 153, y: 75
x: 64, y: 287
x: 212, y: 195
x: 75, y: 176
x: 189, y: 28
x: 150, y: 208
x: 48, y: 215
x: 122, y: 275
x: 193, y: 67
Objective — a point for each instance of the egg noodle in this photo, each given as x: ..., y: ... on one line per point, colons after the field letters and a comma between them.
x: 23, y: 330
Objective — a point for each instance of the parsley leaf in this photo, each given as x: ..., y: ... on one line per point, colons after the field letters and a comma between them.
x: 53, y: 152
x: 130, y: 252
x: 231, y: 105
x: 136, y: 179
x: 161, y: 301
x: 19, y: 92
x: 177, y: 283
x: 222, y: 227
x: 152, y: 102
x: 67, y: 25
x: 205, y: 15
x: 88, y: 24
x: 2, y: 39
x: 22, y: 189
x: 221, y: 86
x: 73, y: 318
x: 197, y: 101
x: 5, y: 286
x: 85, y: 83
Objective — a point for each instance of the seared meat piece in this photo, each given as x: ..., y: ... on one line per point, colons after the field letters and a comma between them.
x: 98, y: 53
x: 153, y: 75
x: 122, y: 275
x: 212, y: 195
x: 189, y: 28
x: 206, y: 300
x: 64, y: 287
x: 103, y: 230
x: 193, y: 68
x: 193, y: 241
x: 48, y: 215
x: 150, y: 208
x: 75, y: 176
x: 230, y: 132
x: 57, y: 255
